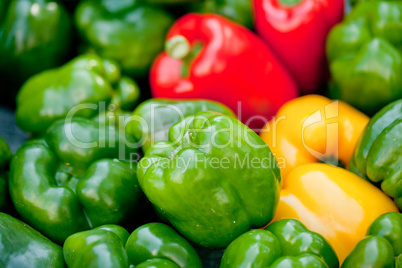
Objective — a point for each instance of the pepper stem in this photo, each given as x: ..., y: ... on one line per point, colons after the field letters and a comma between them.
x: 289, y: 3
x: 178, y: 47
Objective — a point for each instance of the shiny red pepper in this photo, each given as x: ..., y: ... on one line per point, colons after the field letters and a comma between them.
x: 211, y: 57
x: 296, y: 30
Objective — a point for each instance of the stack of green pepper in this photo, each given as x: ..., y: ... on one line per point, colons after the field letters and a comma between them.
x: 97, y: 166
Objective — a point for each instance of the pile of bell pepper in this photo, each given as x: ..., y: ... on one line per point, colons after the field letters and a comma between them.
x: 202, y: 133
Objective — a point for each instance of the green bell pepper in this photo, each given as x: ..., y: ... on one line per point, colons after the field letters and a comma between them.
x: 99, y: 247
x: 383, y: 245
x: 365, y: 56
x: 213, y: 180
x: 377, y: 155
x: 125, y: 31
x: 239, y: 11
x: 5, y: 156
x: 284, y: 243
x: 70, y: 180
x: 83, y: 87
x: 153, y: 242
x: 22, y: 246
x: 35, y: 35
x: 152, y: 119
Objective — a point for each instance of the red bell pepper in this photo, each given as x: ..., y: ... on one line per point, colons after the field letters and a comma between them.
x: 296, y: 30
x: 211, y: 57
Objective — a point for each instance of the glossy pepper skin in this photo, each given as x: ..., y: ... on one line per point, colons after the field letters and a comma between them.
x: 283, y: 242
x: 71, y: 179
x: 296, y: 31
x: 35, y: 35
x: 383, y: 245
x: 87, y: 80
x: 5, y: 156
x: 332, y: 202
x: 313, y: 129
x: 377, y: 155
x: 99, y: 247
x: 152, y: 242
x: 213, y: 59
x: 152, y: 119
x: 214, y: 155
x: 239, y: 11
x: 22, y: 246
x: 157, y: 263
x: 365, y: 55
x: 125, y: 31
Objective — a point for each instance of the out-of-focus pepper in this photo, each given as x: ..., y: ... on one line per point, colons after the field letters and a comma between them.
x: 34, y: 35
x: 22, y: 246
x: 378, y: 154
x: 71, y: 179
x: 332, y: 202
x: 153, y: 242
x: 239, y: 11
x: 208, y: 56
x: 354, y: 2
x: 82, y: 88
x: 99, y: 247
x: 313, y: 129
x: 284, y: 243
x: 213, y: 180
x: 365, y: 55
x: 125, y: 31
x: 382, y: 247
x: 3, y: 9
x: 296, y: 30
x: 171, y: 2
x: 5, y: 156
x: 152, y: 119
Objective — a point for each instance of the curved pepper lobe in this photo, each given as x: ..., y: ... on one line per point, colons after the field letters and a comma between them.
x: 389, y: 226
x: 372, y: 251
x: 296, y: 239
x: 99, y: 247
x: 152, y: 242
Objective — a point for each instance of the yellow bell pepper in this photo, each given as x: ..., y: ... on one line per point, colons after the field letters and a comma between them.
x: 312, y: 129
x: 333, y: 202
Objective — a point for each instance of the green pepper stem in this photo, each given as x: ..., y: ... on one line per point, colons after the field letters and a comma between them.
x: 289, y: 3
x: 178, y: 47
